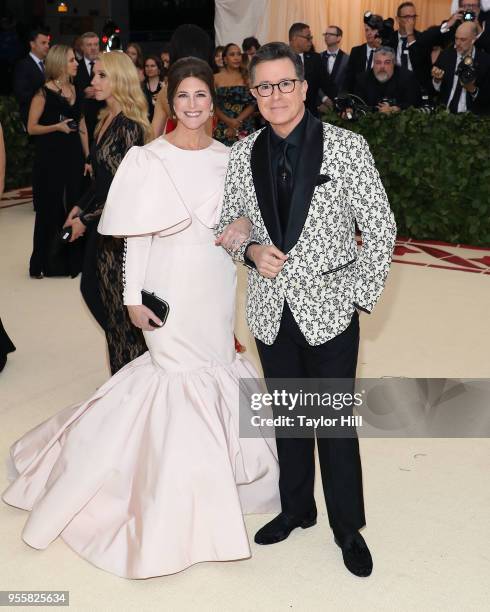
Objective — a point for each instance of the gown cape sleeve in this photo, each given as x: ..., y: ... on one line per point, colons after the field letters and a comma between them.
x: 143, y: 199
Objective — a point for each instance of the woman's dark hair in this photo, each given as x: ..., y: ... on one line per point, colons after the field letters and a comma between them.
x: 158, y: 62
x: 189, y: 67
x: 190, y: 40
x: 243, y: 70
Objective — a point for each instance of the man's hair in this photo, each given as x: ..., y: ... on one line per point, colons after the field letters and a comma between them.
x: 86, y: 35
x: 338, y: 30
x: 386, y: 51
x: 461, y: 2
x: 250, y: 42
x: 296, y: 29
x: 275, y: 51
x: 402, y: 6
x: 33, y: 34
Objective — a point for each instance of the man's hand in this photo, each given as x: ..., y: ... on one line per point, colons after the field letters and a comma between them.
x: 384, y: 107
x: 470, y: 87
x: 140, y: 317
x: 269, y: 260
x: 437, y: 74
x: 458, y: 16
x: 234, y: 234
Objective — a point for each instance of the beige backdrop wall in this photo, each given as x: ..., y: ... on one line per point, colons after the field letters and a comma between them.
x: 347, y: 14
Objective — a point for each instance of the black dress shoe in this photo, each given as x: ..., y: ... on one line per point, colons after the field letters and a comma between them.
x: 357, y: 558
x: 34, y: 275
x: 279, y: 528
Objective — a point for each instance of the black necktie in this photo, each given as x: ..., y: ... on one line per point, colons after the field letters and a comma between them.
x: 370, y: 60
x: 454, y: 104
x: 41, y: 65
x: 404, y: 58
x: 284, y: 185
x: 91, y: 70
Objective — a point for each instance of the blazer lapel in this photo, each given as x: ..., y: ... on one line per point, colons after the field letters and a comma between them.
x: 307, y: 171
x: 337, y: 64
x: 260, y: 162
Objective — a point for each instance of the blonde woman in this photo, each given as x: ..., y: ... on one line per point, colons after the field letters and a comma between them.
x: 61, y: 143
x: 122, y: 124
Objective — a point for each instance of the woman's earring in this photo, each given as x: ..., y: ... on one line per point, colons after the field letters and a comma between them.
x: 211, y: 111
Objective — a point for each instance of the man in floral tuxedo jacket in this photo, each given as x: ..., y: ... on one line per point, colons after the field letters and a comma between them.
x: 304, y: 184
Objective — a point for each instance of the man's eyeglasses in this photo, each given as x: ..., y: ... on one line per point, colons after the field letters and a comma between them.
x: 330, y: 34
x: 310, y: 37
x: 408, y: 17
x: 285, y: 86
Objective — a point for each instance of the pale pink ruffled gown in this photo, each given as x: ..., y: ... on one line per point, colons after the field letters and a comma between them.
x: 149, y: 476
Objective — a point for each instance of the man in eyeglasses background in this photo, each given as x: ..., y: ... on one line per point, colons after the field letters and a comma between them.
x: 301, y: 42
x: 334, y: 60
x: 304, y: 185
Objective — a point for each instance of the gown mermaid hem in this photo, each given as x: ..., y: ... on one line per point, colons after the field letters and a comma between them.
x: 149, y: 476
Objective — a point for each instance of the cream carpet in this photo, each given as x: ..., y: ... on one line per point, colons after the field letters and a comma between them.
x: 427, y: 501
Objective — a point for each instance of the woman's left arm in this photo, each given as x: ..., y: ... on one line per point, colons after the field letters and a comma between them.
x: 86, y: 152
x: 247, y: 112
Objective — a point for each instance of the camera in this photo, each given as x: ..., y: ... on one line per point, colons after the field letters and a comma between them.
x: 466, y: 70
x: 385, y: 27
x: 469, y: 16
x: 351, y: 106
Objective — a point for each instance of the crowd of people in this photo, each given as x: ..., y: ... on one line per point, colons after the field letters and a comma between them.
x: 126, y: 162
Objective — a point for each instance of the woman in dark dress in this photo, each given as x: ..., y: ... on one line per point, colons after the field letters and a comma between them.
x: 235, y: 104
x: 153, y: 82
x: 122, y: 125
x: 61, y: 144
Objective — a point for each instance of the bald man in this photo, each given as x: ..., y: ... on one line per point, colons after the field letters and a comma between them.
x: 457, y: 96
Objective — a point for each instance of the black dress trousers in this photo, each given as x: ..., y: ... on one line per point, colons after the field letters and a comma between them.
x: 290, y: 356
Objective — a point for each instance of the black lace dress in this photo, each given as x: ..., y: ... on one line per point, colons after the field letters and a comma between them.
x: 102, y: 281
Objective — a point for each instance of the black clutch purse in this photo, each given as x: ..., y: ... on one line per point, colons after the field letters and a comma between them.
x: 157, y: 305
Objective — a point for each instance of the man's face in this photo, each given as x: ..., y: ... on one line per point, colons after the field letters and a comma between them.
x: 464, y: 39
x: 471, y: 5
x: 383, y: 67
x: 331, y: 38
x: 251, y: 52
x: 40, y: 46
x: 370, y: 35
x: 279, y: 109
x: 303, y: 41
x: 90, y: 48
x: 408, y: 15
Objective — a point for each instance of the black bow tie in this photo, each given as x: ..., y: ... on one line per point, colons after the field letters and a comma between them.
x: 331, y: 55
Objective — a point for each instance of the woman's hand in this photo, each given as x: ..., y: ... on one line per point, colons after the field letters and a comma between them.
x: 87, y: 169
x: 74, y: 212
x: 140, y: 317
x: 77, y: 229
x: 63, y: 127
x: 235, y: 234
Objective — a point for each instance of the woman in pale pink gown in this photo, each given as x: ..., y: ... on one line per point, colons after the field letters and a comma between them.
x: 150, y: 476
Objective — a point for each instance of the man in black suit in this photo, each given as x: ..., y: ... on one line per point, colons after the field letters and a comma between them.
x: 388, y: 87
x: 334, y: 60
x: 361, y: 57
x: 409, y: 54
x: 444, y: 35
x: 83, y: 80
x: 458, y: 96
x: 29, y: 72
x: 300, y: 41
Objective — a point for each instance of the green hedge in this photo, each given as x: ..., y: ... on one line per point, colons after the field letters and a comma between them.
x: 20, y: 152
x: 436, y: 168
x: 436, y: 171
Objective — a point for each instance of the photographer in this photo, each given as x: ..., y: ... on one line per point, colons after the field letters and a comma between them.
x: 469, y: 11
x: 462, y: 75
x: 361, y: 57
x: 387, y: 87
